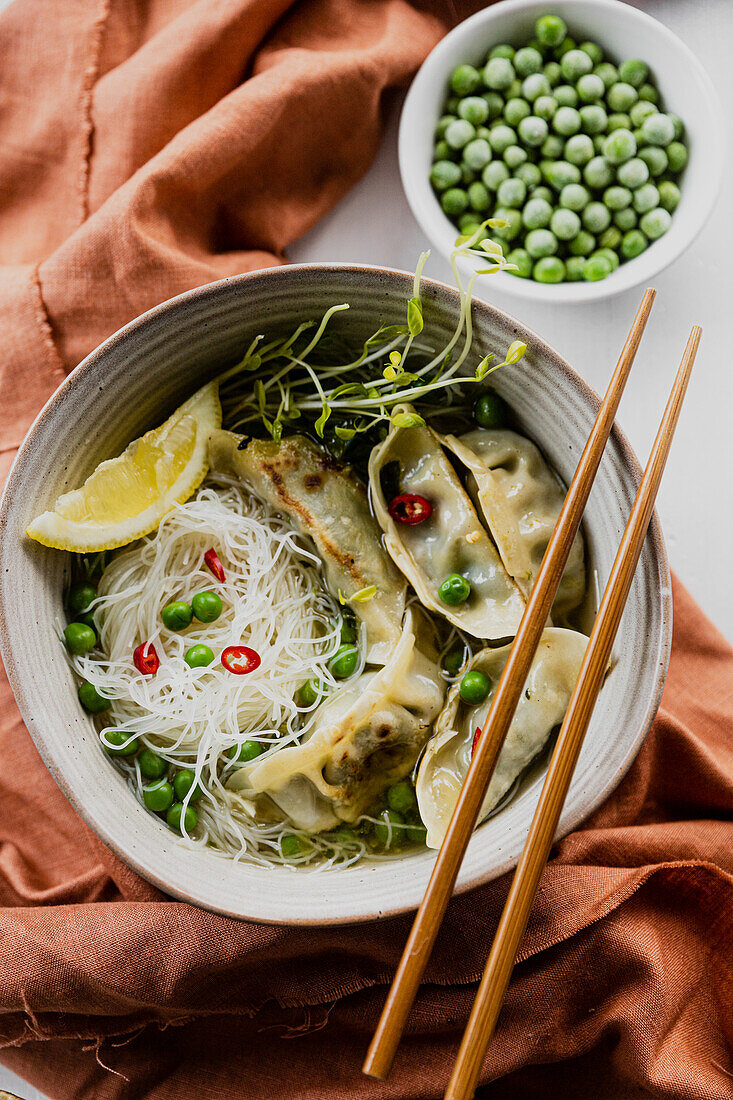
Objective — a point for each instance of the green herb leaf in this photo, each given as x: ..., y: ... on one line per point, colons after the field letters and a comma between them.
x: 364, y: 594
x: 321, y: 422
x: 345, y: 433
x: 406, y: 420
x: 516, y: 352
x: 414, y: 316
x: 483, y: 367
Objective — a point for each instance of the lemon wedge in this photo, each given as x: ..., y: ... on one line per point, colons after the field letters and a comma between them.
x: 126, y: 497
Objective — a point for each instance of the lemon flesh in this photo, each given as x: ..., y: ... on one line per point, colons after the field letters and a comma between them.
x: 126, y: 497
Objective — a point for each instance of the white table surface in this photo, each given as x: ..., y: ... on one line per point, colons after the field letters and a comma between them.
x: 373, y: 224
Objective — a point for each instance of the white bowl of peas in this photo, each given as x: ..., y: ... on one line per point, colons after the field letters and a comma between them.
x: 585, y: 128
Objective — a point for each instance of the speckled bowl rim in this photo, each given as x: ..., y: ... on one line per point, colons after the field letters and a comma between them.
x: 447, y: 296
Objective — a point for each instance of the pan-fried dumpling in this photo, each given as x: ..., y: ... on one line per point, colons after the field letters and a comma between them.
x: 367, y: 736
x: 520, y: 499
x: 323, y: 500
x: 542, y: 706
x: 452, y: 540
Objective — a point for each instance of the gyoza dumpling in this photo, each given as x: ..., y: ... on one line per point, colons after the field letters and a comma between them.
x: 520, y: 499
x: 542, y: 706
x: 452, y: 540
x: 323, y: 500
x: 367, y: 736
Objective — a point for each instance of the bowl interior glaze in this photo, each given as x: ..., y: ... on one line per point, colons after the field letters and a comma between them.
x: 134, y: 380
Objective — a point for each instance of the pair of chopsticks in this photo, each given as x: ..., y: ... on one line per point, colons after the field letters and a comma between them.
x: 565, y: 754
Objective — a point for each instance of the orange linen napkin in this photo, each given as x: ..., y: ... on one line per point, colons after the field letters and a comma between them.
x: 147, y: 146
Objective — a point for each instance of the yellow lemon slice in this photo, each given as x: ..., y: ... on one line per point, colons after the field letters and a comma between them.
x: 126, y: 497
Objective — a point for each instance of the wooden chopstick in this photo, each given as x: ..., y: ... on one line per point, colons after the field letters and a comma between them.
x: 515, y: 915
x: 511, y: 683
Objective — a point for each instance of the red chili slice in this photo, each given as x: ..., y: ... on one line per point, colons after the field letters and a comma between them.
x: 146, y: 659
x: 212, y: 560
x: 410, y: 508
x: 476, y: 736
x: 240, y: 659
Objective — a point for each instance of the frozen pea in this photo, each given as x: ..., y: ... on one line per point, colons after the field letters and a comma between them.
x: 649, y: 92
x: 598, y: 140
x: 545, y: 107
x: 443, y: 151
x: 537, y: 214
x: 528, y: 173
x: 655, y: 223
x: 444, y: 174
x: 514, y: 91
x: 625, y: 219
x: 646, y: 198
x: 542, y: 193
x: 443, y: 123
x: 594, y: 51
x: 515, y: 110
x: 608, y: 254
x: 565, y: 224
x: 523, y: 261
x: 610, y: 238
x: 502, y: 137
x: 552, y: 147
x: 574, y: 269
x: 634, y: 173
x: 565, y: 46
x: 552, y: 73
x: 494, y: 174
x: 502, y: 50
x: 459, y: 133
x: 477, y: 154
x: 596, y: 268
x: 574, y: 197
x: 495, y: 104
x: 593, y: 118
x: 641, y: 111
x: 451, y: 104
x: 583, y: 244
x: 474, y: 109
x: 619, y: 147
x: 549, y: 269
x: 574, y: 64
x: 468, y: 219
x: 658, y: 129
x: 621, y: 96
x: 676, y: 156
x: 465, y: 79
x: 533, y: 131
x: 590, y: 88
x: 679, y: 126
x: 633, y: 72
x: 638, y: 137
x: 454, y: 201
x: 618, y: 122
x: 498, y: 73
x: 669, y: 195
x: 541, y: 242
x: 617, y: 198
x: 560, y: 174
x: 528, y: 60
x: 633, y: 244
x: 550, y: 30
x: 579, y: 149
x: 607, y: 72
x: 514, y: 223
x: 656, y: 159
x: 598, y: 173
x: 468, y: 175
x: 566, y: 121
x: 478, y: 196
x: 534, y: 86
x: 515, y: 156
x: 483, y: 132
x: 565, y: 95
x: 596, y: 217
x: 511, y: 192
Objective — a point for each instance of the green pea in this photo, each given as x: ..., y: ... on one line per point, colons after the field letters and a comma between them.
x: 416, y: 834
x: 634, y: 173
x: 575, y: 64
x: 590, y: 88
x: 648, y: 91
x: 537, y: 214
x: 542, y: 193
x: 565, y: 224
x: 348, y: 629
x: 80, y: 596
x: 541, y: 242
x: 151, y: 765
x: 494, y: 174
x: 344, y: 661
x: 593, y: 118
x: 574, y: 197
x: 198, y: 656
x: 594, y: 51
x: 87, y: 618
x: 625, y: 219
x: 677, y: 156
x: 561, y: 173
x: 621, y: 96
x: 478, y: 196
x: 608, y: 73
x: 342, y: 835
x: 583, y: 244
x: 545, y: 107
x: 565, y: 95
x: 459, y: 133
x: 443, y: 151
x: 475, y: 687
x: 498, y: 73
x: 565, y: 46
x: 512, y: 193
x: 514, y: 158
x: 669, y: 195
x: 596, y: 268
x: 468, y: 174
x: 401, y: 797
x: 657, y: 129
x: 490, y: 411
x: 617, y: 198
x: 79, y: 638
x: 388, y: 832
x: 176, y: 815
x: 633, y: 72
x: 598, y: 173
x: 118, y: 743
x: 443, y: 123
x: 476, y: 155
x: 533, y: 130
x: 206, y: 606
x: 608, y: 254
x: 293, y: 846
x: 549, y: 269
x: 91, y: 699
x: 536, y: 85
x: 444, y: 174
x: 513, y: 221
x: 633, y: 244
x: 611, y: 238
x: 655, y: 223
x: 553, y: 147
x: 454, y: 590
x: 656, y: 159
x: 579, y: 150
x: 566, y: 121
x: 158, y: 796
x: 529, y: 174
x: 646, y: 198
x: 522, y: 260
x: 515, y: 110
x: 574, y: 269
x: 177, y: 615
x: 454, y: 660
x: 474, y: 109
x: 641, y: 111
x: 596, y: 217
x: 248, y: 750
x: 184, y: 782
x: 619, y: 146
x: 465, y: 79
x: 550, y: 30
x: 502, y: 50
x: 502, y: 137
x: 308, y: 693
x: 495, y: 104
x: 454, y: 201
x: 678, y: 124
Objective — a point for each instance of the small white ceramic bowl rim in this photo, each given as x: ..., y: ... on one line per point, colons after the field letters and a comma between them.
x: 701, y: 185
x: 155, y: 868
